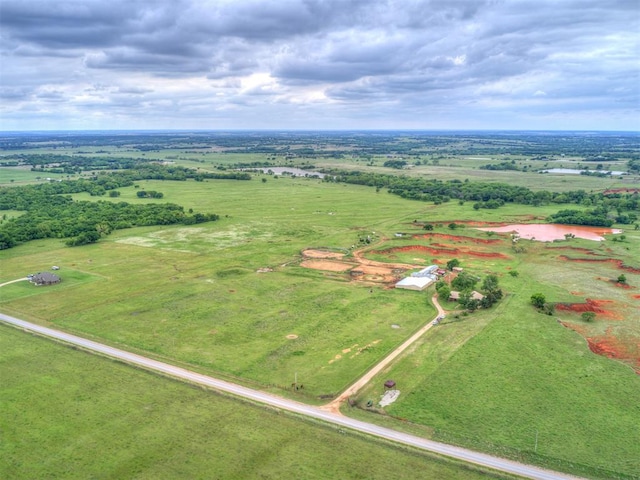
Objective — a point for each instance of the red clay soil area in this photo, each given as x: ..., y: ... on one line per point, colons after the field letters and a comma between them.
x: 459, y: 238
x: 611, y: 347
x: 617, y: 263
x: 442, y: 250
x: 595, y: 306
x: 621, y: 190
x: 586, y: 251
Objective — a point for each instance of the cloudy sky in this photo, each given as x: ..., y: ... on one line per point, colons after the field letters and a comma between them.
x: 320, y: 64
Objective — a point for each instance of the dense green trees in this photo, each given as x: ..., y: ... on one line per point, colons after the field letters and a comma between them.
x: 495, y: 195
x: 50, y: 211
x: 596, y: 217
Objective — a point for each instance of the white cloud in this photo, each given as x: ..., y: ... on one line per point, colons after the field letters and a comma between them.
x: 315, y: 63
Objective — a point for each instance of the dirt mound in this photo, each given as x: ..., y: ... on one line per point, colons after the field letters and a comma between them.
x: 460, y: 238
x: 315, y: 253
x: 441, y: 250
x: 595, y: 306
x: 329, y: 265
x: 617, y: 263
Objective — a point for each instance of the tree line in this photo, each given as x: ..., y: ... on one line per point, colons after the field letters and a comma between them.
x: 50, y: 212
x: 495, y: 195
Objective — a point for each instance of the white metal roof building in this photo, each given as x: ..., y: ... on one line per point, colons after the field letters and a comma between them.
x: 415, y: 283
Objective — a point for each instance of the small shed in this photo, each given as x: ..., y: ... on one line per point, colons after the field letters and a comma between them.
x: 389, y: 384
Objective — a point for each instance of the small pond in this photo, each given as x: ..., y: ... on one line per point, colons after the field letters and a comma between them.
x: 574, y: 171
x: 549, y: 232
x: 294, y: 172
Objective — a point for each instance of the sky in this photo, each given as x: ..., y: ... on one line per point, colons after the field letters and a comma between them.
x: 320, y: 64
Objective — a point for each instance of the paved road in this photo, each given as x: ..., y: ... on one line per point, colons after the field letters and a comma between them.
x: 470, y: 456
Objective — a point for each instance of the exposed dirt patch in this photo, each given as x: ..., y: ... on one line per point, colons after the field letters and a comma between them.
x: 611, y: 347
x: 637, y: 297
x: 612, y: 191
x: 474, y: 223
x: 442, y: 250
x: 292, y: 336
x: 315, y: 253
x: 595, y: 306
x: 460, y: 238
x: 586, y: 251
x: 329, y: 265
x: 613, y: 261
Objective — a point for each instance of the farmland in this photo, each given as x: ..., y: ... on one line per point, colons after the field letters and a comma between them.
x: 233, y: 298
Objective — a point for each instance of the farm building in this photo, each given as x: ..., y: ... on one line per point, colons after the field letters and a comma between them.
x: 455, y: 296
x: 45, y: 278
x: 419, y: 280
x: 415, y: 283
x: 426, y: 272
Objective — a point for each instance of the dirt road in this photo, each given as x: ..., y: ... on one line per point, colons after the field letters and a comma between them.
x: 334, y: 406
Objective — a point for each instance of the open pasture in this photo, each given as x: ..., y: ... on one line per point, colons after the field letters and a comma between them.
x: 231, y: 298
x: 68, y: 414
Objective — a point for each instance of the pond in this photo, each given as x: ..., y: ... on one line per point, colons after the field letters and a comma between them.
x: 574, y: 171
x: 294, y: 172
x: 544, y: 232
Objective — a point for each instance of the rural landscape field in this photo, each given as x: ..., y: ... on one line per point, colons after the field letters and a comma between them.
x: 270, y: 259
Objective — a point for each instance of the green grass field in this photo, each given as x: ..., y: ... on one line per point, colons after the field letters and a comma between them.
x: 69, y: 414
x: 194, y: 296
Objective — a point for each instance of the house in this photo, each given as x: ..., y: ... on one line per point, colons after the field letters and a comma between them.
x: 455, y: 296
x: 45, y: 278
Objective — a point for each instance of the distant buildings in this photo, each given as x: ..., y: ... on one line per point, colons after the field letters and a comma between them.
x: 420, y: 280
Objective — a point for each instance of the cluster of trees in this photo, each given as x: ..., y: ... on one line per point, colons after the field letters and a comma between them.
x: 86, y: 222
x: 500, y: 166
x: 399, y: 164
x: 539, y: 301
x: 50, y: 212
x: 495, y: 195
x: 465, y: 284
x: 596, y: 217
x: 149, y: 194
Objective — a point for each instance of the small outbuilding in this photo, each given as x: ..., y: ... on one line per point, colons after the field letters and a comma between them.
x: 389, y: 384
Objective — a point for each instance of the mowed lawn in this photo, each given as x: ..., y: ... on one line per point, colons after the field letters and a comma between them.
x: 69, y: 414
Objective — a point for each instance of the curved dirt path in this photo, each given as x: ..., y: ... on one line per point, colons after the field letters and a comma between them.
x: 357, y: 254
x: 334, y: 406
x: 13, y: 281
